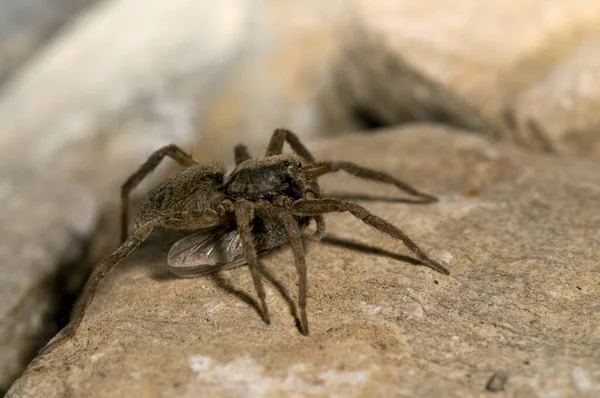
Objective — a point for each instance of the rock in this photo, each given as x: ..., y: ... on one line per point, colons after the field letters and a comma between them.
x: 497, y: 381
x: 122, y: 80
x: 62, y: 118
x: 42, y: 228
x: 514, y: 228
x: 25, y: 25
x: 472, y: 66
x: 285, y: 76
x: 564, y: 103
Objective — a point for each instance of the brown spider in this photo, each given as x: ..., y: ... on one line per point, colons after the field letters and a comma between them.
x: 249, y: 206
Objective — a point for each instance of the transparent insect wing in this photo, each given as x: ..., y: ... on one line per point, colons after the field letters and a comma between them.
x: 206, y: 252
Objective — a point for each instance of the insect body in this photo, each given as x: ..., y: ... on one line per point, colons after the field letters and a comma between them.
x: 202, y: 252
x: 206, y: 252
x: 264, y: 203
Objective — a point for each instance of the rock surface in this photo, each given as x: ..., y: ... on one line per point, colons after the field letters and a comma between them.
x: 129, y: 76
x: 124, y: 79
x: 515, y: 229
x: 473, y: 64
x: 565, y: 102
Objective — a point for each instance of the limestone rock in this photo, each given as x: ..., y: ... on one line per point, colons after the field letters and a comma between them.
x: 124, y: 79
x: 474, y: 64
x: 515, y: 229
x: 565, y: 104
x: 74, y: 123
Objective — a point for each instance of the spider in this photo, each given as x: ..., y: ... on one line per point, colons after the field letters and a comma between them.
x: 273, y: 191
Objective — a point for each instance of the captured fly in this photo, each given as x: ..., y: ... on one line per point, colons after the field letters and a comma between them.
x: 206, y: 252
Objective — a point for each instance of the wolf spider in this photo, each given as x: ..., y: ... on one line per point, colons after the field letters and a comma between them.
x: 277, y: 188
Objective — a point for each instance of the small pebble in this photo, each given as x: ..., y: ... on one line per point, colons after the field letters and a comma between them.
x: 497, y: 381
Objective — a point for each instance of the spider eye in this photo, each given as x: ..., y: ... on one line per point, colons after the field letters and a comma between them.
x: 299, y: 165
x: 286, y: 163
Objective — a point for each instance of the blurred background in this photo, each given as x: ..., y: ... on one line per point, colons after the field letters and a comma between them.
x: 89, y: 89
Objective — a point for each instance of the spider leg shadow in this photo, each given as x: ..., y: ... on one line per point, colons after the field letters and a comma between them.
x: 224, y: 284
x: 361, y: 247
x: 221, y: 282
x: 281, y: 289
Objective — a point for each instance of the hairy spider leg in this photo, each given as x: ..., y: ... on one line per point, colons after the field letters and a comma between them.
x: 244, y: 213
x: 282, y: 135
x: 321, y: 168
x: 99, y: 272
x: 295, y: 240
x: 279, y: 137
x: 181, y: 220
x: 313, y: 207
x: 174, y: 152
x: 241, y: 154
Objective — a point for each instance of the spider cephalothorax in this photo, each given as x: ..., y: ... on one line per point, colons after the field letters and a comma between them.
x: 268, y: 178
x: 264, y: 203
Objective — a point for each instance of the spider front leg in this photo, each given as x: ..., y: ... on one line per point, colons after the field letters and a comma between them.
x: 295, y: 239
x: 282, y: 135
x: 314, y: 207
x: 321, y: 168
x: 174, y: 152
x: 182, y: 220
x: 276, y: 148
x: 99, y: 272
x: 241, y: 154
x: 244, y: 213
x: 321, y: 228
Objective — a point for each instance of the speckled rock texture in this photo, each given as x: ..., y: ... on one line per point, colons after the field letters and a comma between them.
x: 516, y: 229
x: 528, y: 73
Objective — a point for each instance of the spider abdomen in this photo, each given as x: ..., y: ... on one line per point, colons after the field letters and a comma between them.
x: 195, y: 189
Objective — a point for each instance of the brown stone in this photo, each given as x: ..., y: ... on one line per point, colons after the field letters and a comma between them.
x: 515, y: 229
x: 121, y: 81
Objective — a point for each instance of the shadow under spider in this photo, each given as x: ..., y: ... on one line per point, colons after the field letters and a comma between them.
x: 225, y: 285
x: 363, y: 248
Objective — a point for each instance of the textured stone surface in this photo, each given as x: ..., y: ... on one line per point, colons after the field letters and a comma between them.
x: 470, y: 63
x: 42, y: 228
x: 515, y: 229
x: 123, y: 79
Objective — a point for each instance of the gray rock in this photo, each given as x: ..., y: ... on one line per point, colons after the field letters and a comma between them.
x: 472, y: 66
x: 26, y: 25
x: 565, y: 104
x: 515, y: 229
x: 124, y: 79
